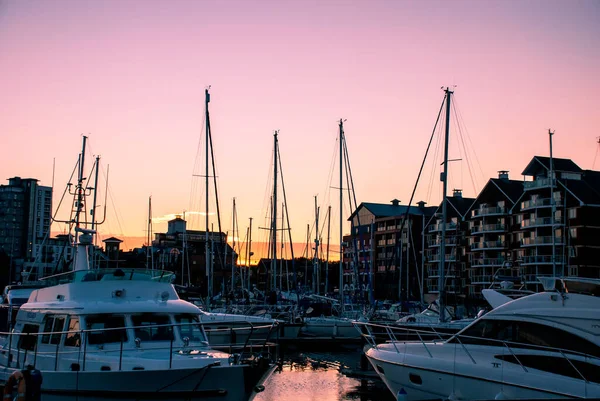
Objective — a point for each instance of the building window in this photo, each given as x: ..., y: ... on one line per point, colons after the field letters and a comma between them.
x: 572, y: 213
x: 573, y: 232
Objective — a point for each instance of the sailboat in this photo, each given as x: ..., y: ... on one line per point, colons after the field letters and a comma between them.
x: 335, y: 326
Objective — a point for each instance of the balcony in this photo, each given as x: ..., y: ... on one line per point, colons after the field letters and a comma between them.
x: 481, y: 262
x: 540, y: 260
x: 438, y: 227
x: 539, y: 183
x: 538, y: 203
x: 452, y: 241
x: 541, y: 241
x: 540, y: 222
x: 488, y: 211
x: 479, y: 246
x: 450, y: 289
x: 435, y: 272
x: 431, y: 258
x: 488, y: 228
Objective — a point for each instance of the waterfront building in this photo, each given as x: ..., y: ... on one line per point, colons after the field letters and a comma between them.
x: 558, y: 216
x: 183, y: 251
x: 455, y: 266
x: 491, y: 228
x: 395, y: 256
x: 25, y: 219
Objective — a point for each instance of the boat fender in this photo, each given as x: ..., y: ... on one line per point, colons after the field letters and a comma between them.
x: 15, y: 379
x: 401, y: 396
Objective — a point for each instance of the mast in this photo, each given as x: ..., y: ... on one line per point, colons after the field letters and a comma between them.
x: 233, y: 247
x: 341, y: 287
x: 282, y: 247
x: 327, y: 256
x: 206, y: 240
x: 442, y: 284
x: 316, y: 254
x: 148, y: 250
x: 274, y: 214
x: 93, y: 211
x: 249, y: 251
x: 81, y: 261
x: 553, y: 203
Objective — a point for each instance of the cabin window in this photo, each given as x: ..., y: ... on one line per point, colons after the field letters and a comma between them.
x: 73, y: 336
x: 489, y: 332
x: 150, y: 327
x: 189, y: 327
x: 28, y: 340
x: 54, y: 325
x: 556, y: 365
x: 106, y: 328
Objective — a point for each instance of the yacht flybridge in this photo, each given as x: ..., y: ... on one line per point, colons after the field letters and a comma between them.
x: 123, y: 334
x: 544, y: 345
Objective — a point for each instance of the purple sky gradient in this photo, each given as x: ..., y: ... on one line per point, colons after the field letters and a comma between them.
x: 132, y: 74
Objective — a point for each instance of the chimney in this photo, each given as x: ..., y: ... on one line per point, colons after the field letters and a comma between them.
x: 457, y: 193
x: 503, y: 174
x: 421, y: 204
x: 395, y: 202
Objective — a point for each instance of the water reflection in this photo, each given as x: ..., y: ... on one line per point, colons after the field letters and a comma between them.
x: 324, y: 377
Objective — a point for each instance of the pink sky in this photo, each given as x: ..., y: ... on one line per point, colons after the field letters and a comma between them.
x: 132, y: 74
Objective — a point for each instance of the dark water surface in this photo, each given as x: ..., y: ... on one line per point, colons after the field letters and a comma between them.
x: 324, y: 376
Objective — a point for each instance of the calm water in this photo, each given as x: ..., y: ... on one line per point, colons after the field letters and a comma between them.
x: 323, y: 376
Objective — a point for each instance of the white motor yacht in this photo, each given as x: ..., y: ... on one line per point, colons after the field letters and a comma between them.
x: 544, y: 345
x: 123, y: 335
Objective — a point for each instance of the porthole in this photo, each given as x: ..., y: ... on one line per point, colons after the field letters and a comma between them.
x: 416, y: 379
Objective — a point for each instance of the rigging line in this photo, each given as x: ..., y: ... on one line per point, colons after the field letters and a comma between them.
x: 329, y: 183
x: 434, y: 162
x: 214, y: 171
x: 117, y: 215
x: 596, y: 155
x: 399, y: 237
x: 289, y: 227
x: 469, y: 140
x: 468, y: 161
x: 194, y: 203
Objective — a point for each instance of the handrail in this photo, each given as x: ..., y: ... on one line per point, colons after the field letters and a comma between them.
x: 513, y: 354
x: 500, y: 343
x: 122, y: 348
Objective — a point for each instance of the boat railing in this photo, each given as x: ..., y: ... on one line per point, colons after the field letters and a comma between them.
x: 108, y: 274
x: 372, y: 332
x: 248, y: 352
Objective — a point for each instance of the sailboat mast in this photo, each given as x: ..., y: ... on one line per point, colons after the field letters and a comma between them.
x: 327, y: 257
x: 341, y: 287
x: 274, y: 214
x: 149, y: 234
x: 249, y: 251
x: 206, y: 242
x: 233, y: 247
x: 316, y: 254
x: 553, y: 203
x: 442, y: 284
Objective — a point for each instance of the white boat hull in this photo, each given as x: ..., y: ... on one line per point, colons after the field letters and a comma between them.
x: 450, y: 373
x: 237, y: 383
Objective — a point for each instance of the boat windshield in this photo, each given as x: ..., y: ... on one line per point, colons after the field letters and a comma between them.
x: 189, y: 326
x: 162, y: 276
